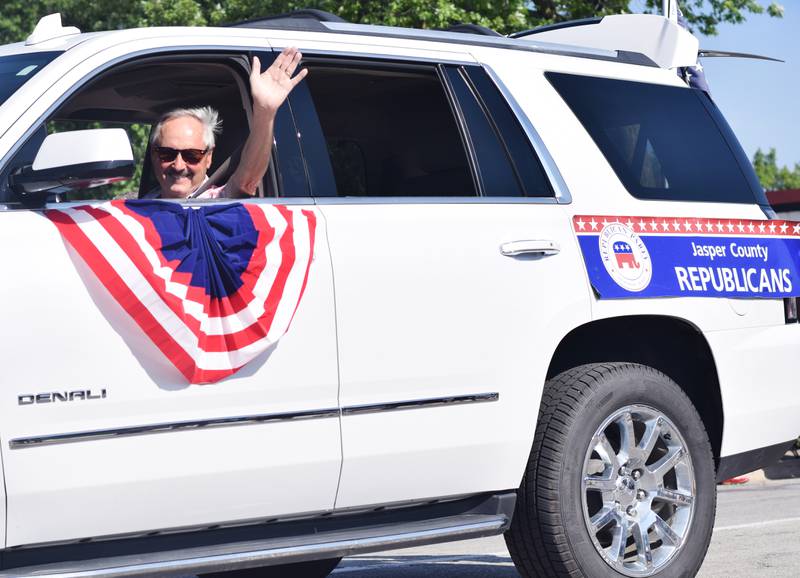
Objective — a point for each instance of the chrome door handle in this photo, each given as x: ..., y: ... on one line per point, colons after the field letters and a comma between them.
x: 532, y: 247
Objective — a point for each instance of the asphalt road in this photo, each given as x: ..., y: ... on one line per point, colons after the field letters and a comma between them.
x: 757, y: 533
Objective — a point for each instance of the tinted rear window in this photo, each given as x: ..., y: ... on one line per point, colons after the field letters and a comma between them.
x: 496, y: 172
x: 389, y: 129
x: 664, y: 142
x: 525, y: 160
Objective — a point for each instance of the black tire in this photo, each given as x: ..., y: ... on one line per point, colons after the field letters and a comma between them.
x: 563, y: 493
x: 313, y: 569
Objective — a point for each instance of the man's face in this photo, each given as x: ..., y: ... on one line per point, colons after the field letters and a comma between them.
x: 179, y: 176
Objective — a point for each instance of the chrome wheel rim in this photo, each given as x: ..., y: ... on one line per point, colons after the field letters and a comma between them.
x: 638, y: 490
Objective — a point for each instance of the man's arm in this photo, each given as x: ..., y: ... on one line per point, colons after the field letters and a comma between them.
x: 269, y: 90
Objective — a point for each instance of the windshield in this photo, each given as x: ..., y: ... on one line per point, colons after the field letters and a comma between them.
x: 15, y: 70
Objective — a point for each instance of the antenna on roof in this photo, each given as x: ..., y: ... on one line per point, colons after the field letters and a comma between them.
x: 48, y: 28
x: 671, y: 10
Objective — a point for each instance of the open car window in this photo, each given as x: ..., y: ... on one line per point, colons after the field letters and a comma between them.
x: 133, y: 96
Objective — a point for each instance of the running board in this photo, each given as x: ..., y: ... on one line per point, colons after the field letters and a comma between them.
x: 297, y: 545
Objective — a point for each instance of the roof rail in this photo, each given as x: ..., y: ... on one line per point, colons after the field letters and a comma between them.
x: 472, y: 29
x: 306, y: 19
x: 557, y: 26
x: 320, y: 21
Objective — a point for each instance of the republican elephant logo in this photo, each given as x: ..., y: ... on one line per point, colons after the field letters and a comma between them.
x: 624, y: 256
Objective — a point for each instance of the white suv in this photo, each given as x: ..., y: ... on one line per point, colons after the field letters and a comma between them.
x: 526, y: 285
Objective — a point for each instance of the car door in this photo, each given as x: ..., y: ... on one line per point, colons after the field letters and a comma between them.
x: 101, y: 433
x: 449, y: 246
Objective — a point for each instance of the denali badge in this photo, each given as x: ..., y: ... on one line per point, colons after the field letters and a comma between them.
x: 51, y: 396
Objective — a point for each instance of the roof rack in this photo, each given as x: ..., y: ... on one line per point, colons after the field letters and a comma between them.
x: 311, y: 20
x: 557, y: 26
x: 473, y: 29
x: 306, y: 19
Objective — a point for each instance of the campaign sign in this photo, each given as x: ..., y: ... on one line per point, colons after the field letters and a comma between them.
x: 689, y: 257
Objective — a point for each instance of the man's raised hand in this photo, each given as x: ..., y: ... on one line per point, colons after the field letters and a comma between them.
x: 271, y: 87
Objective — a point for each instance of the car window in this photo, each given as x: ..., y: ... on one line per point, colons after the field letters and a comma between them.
x: 389, y: 130
x: 134, y: 94
x: 495, y: 170
x: 17, y: 69
x: 664, y: 142
x: 526, y: 163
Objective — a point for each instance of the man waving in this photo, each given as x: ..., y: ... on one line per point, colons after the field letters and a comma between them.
x: 182, y: 142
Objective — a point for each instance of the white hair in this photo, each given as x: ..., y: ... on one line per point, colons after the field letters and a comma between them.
x: 208, y: 116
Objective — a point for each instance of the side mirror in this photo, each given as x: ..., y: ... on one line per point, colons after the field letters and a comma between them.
x: 75, y: 160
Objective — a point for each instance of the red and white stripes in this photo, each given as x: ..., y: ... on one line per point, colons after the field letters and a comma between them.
x: 207, y: 339
x: 688, y: 226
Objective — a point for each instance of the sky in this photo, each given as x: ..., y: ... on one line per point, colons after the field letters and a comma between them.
x: 759, y: 98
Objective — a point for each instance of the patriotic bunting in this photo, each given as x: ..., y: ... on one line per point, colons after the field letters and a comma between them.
x: 212, y: 286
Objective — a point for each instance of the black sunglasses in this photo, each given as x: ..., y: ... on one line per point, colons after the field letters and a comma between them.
x: 191, y: 156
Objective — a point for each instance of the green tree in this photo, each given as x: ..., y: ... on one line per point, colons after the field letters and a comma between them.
x: 18, y: 17
x: 773, y: 177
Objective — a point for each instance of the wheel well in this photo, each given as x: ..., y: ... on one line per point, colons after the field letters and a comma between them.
x: 673, y: 346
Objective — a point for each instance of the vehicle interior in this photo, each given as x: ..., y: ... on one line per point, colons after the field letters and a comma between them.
x: 390, y: 131
x: 133, y: 96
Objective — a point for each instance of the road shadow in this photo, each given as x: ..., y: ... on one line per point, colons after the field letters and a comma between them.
x: 786, y: 469
x: 490, y: 566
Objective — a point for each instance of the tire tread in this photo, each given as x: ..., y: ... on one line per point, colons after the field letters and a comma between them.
x: 537, y: 540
